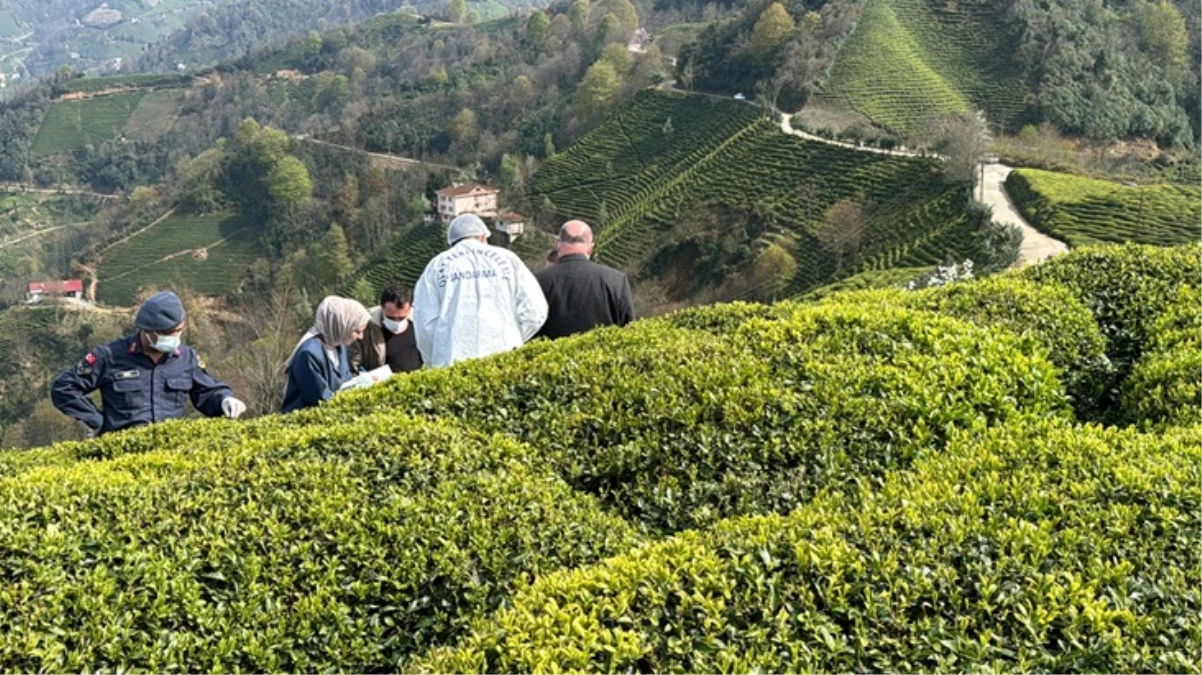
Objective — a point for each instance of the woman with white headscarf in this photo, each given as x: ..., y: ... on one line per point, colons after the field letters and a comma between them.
x: 319, y: 364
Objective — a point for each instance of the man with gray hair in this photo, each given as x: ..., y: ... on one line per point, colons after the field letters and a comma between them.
x: 581, y: 294
x: 473, y: 299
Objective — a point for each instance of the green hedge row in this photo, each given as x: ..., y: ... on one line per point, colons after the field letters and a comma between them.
x: 1037, y: 546
x: 1050, y: 315
x: 1165, y: 386
x: 338, y: 546
x: 676, y: 428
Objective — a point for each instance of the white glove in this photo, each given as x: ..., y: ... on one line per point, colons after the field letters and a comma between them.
x: 232, y: 407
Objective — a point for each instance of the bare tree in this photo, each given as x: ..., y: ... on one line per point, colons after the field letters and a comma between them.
x: 962, y: 139
x: 843, y: 231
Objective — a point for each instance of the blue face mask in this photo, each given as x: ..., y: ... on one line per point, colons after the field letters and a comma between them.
x: 166, y: 343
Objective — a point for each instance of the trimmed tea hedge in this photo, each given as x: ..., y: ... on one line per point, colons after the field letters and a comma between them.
x: 677, y: 429
x: 1165, y: 385
x: 1084, y: 211
x: 330, y: 547
x: 1126, y: 288
x: 1037, y: 547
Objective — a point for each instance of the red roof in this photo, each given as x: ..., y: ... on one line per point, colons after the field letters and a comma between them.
x: 511, y: 217
x: 466, y: 189
x: 57, y: 287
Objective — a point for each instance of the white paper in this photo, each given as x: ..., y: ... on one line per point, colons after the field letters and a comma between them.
x: 371, y: 377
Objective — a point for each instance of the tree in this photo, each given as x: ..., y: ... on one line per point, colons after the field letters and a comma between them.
x: 288, y: 182
x: 510, y: 172
x: 578, y: 15
x: 601, y: 82
x: 1163, y: 32
x: 774, y: 25
x: 333, y: 258
x: 619, y: 57
x: 463, y: 127
x: 537, y: 27
x: 962, y: 139
x: 842, y: 231
x: 626, y: 14
x: 610, y: 30
x: 457, y: 10
x: 773, y: 270
x: 548, y: 146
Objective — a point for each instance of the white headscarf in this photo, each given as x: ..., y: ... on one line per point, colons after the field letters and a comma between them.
x: 335, y: 320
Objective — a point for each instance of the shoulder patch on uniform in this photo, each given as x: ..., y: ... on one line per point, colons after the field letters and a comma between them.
x: 90, y: 358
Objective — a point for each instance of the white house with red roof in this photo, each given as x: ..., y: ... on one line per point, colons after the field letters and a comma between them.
x: 38, y: 290
x: 467, y: 198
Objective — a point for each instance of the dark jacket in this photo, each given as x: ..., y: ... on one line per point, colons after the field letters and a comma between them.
x: 582, y: 295
x: 372, y: 351
x: 312, y: 378
x: 134, y: 390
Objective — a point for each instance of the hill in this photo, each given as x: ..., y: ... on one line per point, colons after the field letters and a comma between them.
x: 1086, y: 211
x: 743, y: 487
x: 720, y: 162
x: 208, y: 254
x: 911, y: 60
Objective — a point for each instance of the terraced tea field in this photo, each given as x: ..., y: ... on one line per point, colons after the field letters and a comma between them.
x: 208, y: 254
x: 71, y: 125
x: 745, y: 163
x: 909, y: 60
x: 406, y: 257
x: 95, y: 84
x: 1084, y: 211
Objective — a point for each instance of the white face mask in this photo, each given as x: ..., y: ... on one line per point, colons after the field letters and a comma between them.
x: 396, y: 327
x: 166, y: 343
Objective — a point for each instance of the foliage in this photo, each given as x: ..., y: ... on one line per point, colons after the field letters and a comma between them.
x: 71, y: 125
x: 826, y: 394
x: 772, y: 28
x: 722, y: 157
x: 209, y: 254
x: 1086, y: 211
x: 1165, y: 386
x: 288, y: 182
x: 959, y: 563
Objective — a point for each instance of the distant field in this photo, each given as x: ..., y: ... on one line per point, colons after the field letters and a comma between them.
x: 209, y: 254
x: 23, y: 213
x: 93, y: 84
x: 910, y: 60
x: 155, y: 115
x: 406, y: 257
x: 70, y: 125
x: 1084, y: 211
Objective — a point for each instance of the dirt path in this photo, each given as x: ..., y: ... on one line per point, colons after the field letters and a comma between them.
x: 1036, y: 246
x: 70, y: 190
x: 786, y: 125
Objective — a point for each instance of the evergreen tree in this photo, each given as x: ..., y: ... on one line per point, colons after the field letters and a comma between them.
x: 537, y: 27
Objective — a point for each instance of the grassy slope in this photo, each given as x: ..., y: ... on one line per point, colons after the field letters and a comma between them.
x: 70, y: 125
x: 722, y: 154
x: 1086, y: 211
x: 167, y: 254
x: 911, y: 59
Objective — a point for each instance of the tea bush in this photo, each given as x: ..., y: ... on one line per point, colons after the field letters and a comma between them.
x: 330, y: 547
x: 1165, y: 385
x: 1037, y: 546
x: 676, y: 428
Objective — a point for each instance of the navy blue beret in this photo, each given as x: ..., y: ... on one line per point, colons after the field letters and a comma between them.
x: 161, y: 312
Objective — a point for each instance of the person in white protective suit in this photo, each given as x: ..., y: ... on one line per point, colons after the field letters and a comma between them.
x: 473, y: 299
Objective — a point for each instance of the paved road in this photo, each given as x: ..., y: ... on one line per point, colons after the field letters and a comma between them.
x: 1036, y: 245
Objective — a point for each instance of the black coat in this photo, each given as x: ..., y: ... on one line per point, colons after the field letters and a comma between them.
x: 582, y: 295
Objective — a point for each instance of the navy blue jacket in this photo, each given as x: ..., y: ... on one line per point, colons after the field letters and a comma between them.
x: 312, y: 378
x: 134, y: 389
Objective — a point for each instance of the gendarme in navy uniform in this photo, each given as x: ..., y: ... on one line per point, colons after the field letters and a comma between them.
x: 145, y: 377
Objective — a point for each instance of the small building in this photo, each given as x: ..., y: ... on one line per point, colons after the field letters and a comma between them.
x: 457, y: 200
x: 640, y: 42
x: 71, y: 288
x: 512, y: 224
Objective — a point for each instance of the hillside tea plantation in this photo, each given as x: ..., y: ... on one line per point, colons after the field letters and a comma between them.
x: 911, y: 60
x: 209, y: 254
x: 71, y: 125
x: 722, y: 150
x: 1084, y: 211
x: 934, y: 481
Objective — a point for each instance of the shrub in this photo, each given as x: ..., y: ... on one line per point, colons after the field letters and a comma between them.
x: 1125, y: 287
x: 1165, y: 385
x: 1038, y: 546
x: 330, y: 547
x: 676, y: 428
